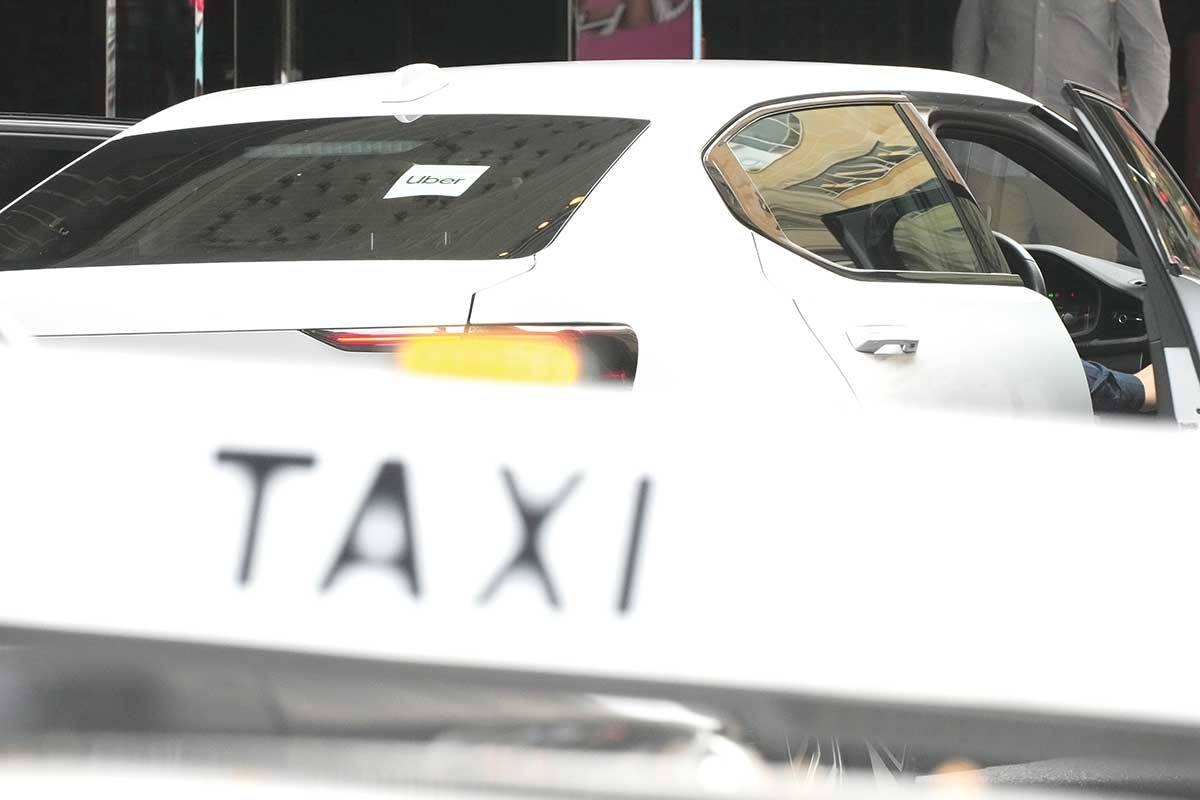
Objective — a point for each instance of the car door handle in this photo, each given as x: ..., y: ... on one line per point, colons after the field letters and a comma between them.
x: 873, y: 338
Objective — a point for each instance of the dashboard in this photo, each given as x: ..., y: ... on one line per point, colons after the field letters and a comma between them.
x: 1078, y: 305
x: 1083, y: 292
x: 1099, y: 303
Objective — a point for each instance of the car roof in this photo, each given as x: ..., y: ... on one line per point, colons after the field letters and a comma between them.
x: 696, y: 93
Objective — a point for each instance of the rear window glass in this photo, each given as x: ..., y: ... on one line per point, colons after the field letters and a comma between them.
x: 438, y: 187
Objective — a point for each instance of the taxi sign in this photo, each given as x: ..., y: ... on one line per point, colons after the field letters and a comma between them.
x: 729, y: 539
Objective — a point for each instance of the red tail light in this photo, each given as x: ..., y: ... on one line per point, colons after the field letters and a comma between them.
x: 561, y: 354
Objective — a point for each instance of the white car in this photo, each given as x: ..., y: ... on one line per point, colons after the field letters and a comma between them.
x: 785, y: 226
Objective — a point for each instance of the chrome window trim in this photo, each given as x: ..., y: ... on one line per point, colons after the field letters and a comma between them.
x: 931, y: 150
x: 24, y: 137
x: 920, y: 128
x: 945, y: 168
x: 91, y: 130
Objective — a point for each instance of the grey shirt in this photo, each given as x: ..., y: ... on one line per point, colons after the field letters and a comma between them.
x: 1035, y: 45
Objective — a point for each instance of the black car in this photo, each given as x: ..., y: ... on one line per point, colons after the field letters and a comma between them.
x: 32, y: 146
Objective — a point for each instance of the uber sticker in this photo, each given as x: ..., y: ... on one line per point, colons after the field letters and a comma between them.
x: 447, y: 180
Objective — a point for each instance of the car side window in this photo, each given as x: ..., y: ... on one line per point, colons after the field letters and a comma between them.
x: 1163, y: 200
x: 851, y: 185
x: 26, y: 160
x: 1019, y: 204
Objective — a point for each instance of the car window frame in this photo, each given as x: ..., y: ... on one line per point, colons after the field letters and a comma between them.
x: 1167, y: 323
x: 1069, y: 189
x: 1170, y: 263
x: 1042, y: 143
x: 939, y: 161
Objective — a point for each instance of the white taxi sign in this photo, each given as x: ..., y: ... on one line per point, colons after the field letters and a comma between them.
x: 725, y: 540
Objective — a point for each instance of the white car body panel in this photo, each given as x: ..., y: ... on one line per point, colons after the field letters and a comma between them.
x: 991, y: 348
x: 686, y: 278
x: 278, y: 347
x: 693, y: 293
x: 262, y: 295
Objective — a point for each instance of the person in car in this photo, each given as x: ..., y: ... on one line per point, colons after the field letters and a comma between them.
x: 1120, y: 391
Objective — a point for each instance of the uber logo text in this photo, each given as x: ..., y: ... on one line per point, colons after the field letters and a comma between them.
x: 431, y: 179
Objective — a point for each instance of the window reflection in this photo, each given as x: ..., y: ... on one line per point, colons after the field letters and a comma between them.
x: 852, y: 186
x: 1163, y: 199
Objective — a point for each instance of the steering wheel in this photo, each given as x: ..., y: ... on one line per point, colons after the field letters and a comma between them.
x: 1021, y: 262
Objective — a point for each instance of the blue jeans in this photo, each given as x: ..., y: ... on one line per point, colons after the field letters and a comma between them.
x: 1113, y: 391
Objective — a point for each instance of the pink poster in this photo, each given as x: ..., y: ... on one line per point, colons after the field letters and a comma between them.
x: 612, y: 29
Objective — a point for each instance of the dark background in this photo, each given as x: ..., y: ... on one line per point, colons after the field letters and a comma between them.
x: 52, y: 52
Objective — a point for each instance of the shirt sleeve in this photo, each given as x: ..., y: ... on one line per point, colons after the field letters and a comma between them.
x: 970, y: 40
x: 1113, y: 391
x: 1147, y: 61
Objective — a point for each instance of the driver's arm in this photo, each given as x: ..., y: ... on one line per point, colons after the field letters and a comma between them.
x: 1120, y: 391
x: 1146, y: 376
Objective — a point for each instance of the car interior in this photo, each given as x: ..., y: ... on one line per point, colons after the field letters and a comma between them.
x: 1055, y: 224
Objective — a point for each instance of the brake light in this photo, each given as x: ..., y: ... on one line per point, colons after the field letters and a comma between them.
x: 548, y: 354
x: 367, y: 341
x: 526, y: 357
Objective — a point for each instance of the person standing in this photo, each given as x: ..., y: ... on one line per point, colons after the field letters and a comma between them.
x: 1033, y: 46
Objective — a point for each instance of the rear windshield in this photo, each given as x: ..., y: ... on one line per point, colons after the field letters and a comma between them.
x: 437, y: 187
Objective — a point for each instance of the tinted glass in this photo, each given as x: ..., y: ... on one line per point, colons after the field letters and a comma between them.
x: 1166, y: 204
x: 445, y: 187
x: 853, y: 186
x: 1018, y: 203
x: 25, y: 160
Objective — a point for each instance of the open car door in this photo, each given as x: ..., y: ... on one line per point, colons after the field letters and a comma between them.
x: 1164, y: 223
